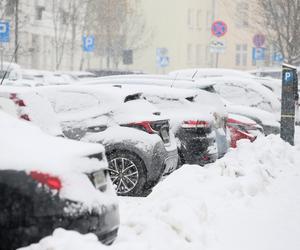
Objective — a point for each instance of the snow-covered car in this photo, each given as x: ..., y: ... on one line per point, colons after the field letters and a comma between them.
x: 201, y: 97
x: 149, y: 79
x: 79, y: 75
x: 49, y: 182
x: 24, y: 78
x: 193, y: 125
x: 197, y: 73
x: 26, y: 104
x: 139, y: 146
x: 267, y: 120
x: 242, y: 127
x: 247, y: 92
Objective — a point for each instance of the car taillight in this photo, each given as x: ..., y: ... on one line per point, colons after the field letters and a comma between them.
x: 14, y: 97
x: 195, y: 124
x: 52, y: 182
x: 25, y: 117
x: 145, y: 126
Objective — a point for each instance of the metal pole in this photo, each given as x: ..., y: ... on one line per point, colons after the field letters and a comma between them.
x: 288, y: 101
x: 2, y: 53
x: 217, y: 59
x: 16, y: 29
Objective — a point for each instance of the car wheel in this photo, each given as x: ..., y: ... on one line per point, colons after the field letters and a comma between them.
x: 127, y: 172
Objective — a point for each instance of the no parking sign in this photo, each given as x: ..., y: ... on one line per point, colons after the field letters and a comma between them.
x: 219, y: 28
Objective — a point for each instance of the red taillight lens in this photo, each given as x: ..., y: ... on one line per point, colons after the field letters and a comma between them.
x: 46, y: 179
x: 14, y: 97
x: 145, y: 126
x: 195, y: 124
x: 25, y: 117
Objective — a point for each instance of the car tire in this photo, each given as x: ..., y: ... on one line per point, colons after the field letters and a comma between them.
x: 128, y: 173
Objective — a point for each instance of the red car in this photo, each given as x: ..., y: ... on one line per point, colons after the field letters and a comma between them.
x: 242, y: 128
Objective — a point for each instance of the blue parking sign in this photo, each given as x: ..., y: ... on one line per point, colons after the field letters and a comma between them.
x: 88, y: 43
x: 4, y: 31
x: 258, y: 54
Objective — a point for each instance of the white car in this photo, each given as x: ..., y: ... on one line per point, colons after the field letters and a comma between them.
x: 247, y: 92
x: 27, y: 104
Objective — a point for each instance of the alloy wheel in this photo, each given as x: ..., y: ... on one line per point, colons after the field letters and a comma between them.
x: 124, y: 174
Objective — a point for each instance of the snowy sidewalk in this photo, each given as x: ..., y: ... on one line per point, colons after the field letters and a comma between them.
x: 250, y: 199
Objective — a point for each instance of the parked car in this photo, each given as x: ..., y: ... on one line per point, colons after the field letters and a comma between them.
x: 79, y: 75
x: 135, y: 134
x: 27, y: 104
x: 242, y: 127
x: 194, y: 126
x: 7, y: 67
x: 245, y: 92
x: 198, y: 73
x: 48, y: 182
x: 201, y: 97
x: 24, y: 78
x: 268, y: 121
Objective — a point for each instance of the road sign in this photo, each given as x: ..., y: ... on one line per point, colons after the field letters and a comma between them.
x: 162, y: 58
x: 88, y: 43
x: 4, y: 31
x: 278, y: 57
x: 259, y: 40
x: 219, y: 28
x: 289, y: 98
x: 217, y: 47
x: 258, y: 54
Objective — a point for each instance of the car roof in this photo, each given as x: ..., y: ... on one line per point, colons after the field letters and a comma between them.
x: 110, y: 92
x: 150, y: 80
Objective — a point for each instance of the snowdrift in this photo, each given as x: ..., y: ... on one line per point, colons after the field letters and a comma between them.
x: 250, y: 199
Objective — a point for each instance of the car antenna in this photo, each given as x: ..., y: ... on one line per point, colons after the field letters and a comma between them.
x: 5, y: 73
x: 175, y: 78
x: 195, y: 74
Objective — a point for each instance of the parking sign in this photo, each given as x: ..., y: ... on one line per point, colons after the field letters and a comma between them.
x: 4, y: 31
x: 88, y: 43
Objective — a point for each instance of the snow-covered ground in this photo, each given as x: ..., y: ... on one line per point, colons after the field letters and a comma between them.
x: 250, y: 199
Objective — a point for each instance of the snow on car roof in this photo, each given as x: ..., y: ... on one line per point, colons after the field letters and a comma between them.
x: 209, y: 72
x: 159, y: 80
x: 25, y: 147
x: 248, y: 83
x: 106, y: 99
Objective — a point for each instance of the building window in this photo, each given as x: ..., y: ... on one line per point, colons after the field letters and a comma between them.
x: 189, y: 53
x: 39, y: 12
x: 198, y: 54
x: 199, y: 15
x: 241, y: 54
x: 208, y: 19
x: 190, y: 18
x: 242, y: 14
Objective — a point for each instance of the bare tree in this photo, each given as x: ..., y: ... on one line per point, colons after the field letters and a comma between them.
x: 61, y: 25
x: 281, y: 18
x: 117, y: 27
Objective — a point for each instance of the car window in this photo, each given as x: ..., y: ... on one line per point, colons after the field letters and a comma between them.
x: 64, y: 102
x: 164, y: 102
x: 243, y: 96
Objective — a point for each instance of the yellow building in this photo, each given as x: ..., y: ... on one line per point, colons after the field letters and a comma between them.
x: 183, y: 29
x: 180, y: 35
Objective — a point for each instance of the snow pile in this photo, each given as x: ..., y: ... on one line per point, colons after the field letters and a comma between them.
x: 250, y: 199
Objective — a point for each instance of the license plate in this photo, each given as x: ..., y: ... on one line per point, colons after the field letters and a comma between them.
x: 99, y: 179
x: 165, y: 135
